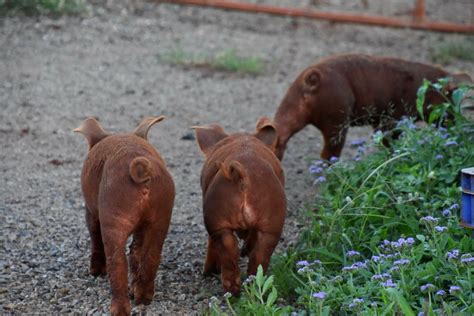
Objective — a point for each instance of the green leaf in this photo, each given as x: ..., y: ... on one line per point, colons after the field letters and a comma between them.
x: 421, y: 238
x: 259, y: 277
x: 457, y: 97
x: 401, y: 302
x: 267, y: 284
x: 272, y: 297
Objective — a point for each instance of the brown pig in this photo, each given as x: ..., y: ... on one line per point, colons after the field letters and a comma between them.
x: 243, y: 194
x: 354, y: 90
x: 127, y: 190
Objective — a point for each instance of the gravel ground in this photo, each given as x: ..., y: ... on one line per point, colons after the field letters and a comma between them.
x: 54, y: 73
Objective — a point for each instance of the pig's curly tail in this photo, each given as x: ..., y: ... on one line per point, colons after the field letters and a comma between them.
x: 140, y: 170
x: 235, y: 171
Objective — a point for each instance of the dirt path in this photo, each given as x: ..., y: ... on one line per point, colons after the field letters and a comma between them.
x: 54, y: 73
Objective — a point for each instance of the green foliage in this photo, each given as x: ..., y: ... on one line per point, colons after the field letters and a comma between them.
x: 224, y: 61
x: 451, y: 109
x: 39, y: 7
x: 259, y: 298
x: 386, y: 237
x: 447, y: 51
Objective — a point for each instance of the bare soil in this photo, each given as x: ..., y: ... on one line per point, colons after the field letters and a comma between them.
x: 56, y: 72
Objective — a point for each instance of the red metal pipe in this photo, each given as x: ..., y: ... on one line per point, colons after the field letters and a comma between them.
x: 332, y: 16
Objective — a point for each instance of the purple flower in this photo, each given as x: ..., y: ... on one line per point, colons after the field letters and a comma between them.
x: 445, y: 136
x: 302, y: 263
x: 467, y: 259
x: 440, y: 293
x: 317, y: 262
x: 381, y: 277
x: 356, y: 157
x: 454, y: 206
x: 315, y: 169
x: 454, y: 289
x: 429, y: 220
x: 358, y: 142
x: 401, y: 262
x: 439, y: 156
x: 421, y: 314
x: 442, y: 129
x: 352, y: 253
x: 446, y: 212
x: 450, y: 143
x: 401, y: 242
x: 428, y: 287
x: 355, y: 266
x: 376, y: 259
x: 320, y: 179
x: 333, y: 159
x: 319, y: 295
x: 388, y: 283
x: 394, y: 269
x: 441, y: 228
x: 453, y: 255
x: 356, y: 303
x: 318, y: 163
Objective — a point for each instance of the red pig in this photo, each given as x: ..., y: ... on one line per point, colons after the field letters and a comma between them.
x: 243, y: 194
x: 353, y: 90
x: 127, y: 190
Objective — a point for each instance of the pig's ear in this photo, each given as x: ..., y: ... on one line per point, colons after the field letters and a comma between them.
x: 312, y: 79
x: 208, y: 135
x: 267, y: 133
x: 145, y: 125
x: 92, y: 130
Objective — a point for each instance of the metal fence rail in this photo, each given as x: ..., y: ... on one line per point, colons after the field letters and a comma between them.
x: 419, y: 20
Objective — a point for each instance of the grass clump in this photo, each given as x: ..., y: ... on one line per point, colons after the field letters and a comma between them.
x: 228, y: 60
x: 41, y: 7
x: 386, y: 238
x: 448, y: 51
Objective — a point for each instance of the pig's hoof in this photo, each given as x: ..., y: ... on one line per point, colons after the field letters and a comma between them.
x: 209, y: 270
x: 142, y: 296
x: 120, y: 307
x: 233, y: 289
x: 98, y: 270
x: 145, y: 300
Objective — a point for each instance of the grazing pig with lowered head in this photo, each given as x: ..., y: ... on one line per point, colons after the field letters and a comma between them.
x: 354, y: 90
x: 127, y: 190
x: 243, y: 194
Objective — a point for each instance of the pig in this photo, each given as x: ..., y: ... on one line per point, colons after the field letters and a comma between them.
x: 243, y: 194
x: 354, y: 90
x: 127, y: 190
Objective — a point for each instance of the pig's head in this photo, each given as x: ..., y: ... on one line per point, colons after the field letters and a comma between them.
x: 295, y: 111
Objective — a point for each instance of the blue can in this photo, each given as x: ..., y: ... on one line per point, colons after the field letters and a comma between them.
x: 467, y: 198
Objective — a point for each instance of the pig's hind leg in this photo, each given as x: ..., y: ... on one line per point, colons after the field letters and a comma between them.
x: 212, y: 265
x: 149, y: 260
x: 114, y: 236
x: 98, y: 264
x: 262, y: 251
x: 228, y: 248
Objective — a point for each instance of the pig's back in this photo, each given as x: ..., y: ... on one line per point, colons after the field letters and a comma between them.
x: 115, y: 154
x: 378, y: 82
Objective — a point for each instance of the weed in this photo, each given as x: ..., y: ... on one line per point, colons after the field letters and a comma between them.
x: 447, y: 51
x: 228, y: 60
x: 39, y: 7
